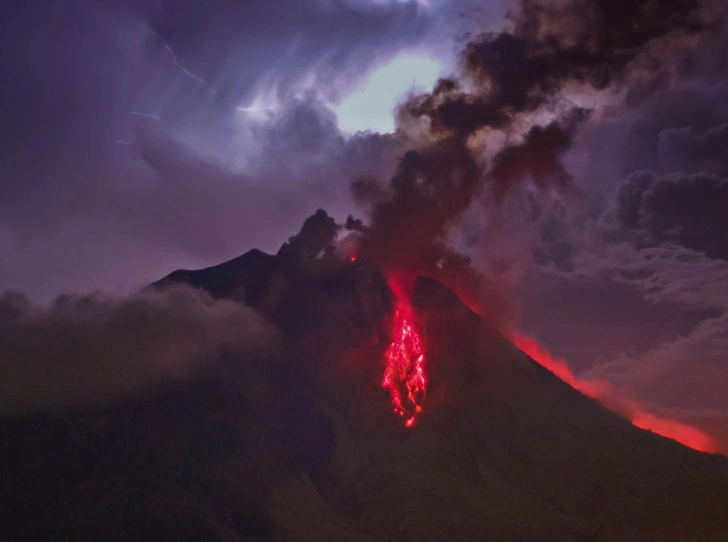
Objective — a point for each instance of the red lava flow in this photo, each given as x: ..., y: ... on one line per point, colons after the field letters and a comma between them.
x: 605, y: 393
x: 404, y: 375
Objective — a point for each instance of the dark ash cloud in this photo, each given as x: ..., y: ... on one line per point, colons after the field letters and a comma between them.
x: 511, y: 80
x: 684, y: 150
x: 684, y: 209
x: 95, y: 349
x: 686, y: 204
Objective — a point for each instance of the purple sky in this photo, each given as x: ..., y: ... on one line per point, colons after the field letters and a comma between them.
x: 125, y: 155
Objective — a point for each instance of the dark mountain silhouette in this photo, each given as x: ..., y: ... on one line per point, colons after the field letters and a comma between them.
x: 301, y: 443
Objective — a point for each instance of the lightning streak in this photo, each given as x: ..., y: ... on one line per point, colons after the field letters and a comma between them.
x: 197, y: 78
x: 138, y: 114
x: 145, y: 115
x: 179, y: 66
x: 255, y: 109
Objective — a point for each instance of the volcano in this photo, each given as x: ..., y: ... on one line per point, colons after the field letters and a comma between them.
x: 301, y: 443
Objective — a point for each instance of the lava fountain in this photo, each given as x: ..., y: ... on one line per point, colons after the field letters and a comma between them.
x: 404, y: 375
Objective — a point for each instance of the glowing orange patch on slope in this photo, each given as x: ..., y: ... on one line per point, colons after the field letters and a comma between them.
x: 605, y: 393
x: 684, y: 434
x: 404, y: 375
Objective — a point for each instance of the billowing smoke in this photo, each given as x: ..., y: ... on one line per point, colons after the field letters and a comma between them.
x: 317, y: 234
x: 512, y: 115
x: 95, y: 349
x: 505, y: 124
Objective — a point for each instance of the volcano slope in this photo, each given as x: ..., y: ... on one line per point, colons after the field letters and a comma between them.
x: 302, y: 444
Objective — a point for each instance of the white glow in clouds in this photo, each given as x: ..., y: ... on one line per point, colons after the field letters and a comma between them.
x: 370, y: 105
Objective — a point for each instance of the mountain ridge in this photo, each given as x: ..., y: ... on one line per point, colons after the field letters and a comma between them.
x: 455, y: 383
x: 301, y: 443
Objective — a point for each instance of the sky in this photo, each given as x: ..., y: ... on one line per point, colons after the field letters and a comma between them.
x: 139, y: 137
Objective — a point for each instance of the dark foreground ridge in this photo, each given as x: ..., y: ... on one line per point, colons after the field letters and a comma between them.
x: 301, y: 444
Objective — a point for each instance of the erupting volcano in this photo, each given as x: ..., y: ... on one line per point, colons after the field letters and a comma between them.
x: 404, y: 375
x: 298, y: 443
x: 516, y: 171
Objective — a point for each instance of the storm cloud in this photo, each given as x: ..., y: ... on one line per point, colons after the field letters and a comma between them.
x: 90, y: 90
x: 685, y: 209
x: 641, y: 301
x: 510, y: 81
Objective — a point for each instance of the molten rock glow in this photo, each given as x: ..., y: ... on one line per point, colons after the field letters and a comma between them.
x: 605, y: 394
x: 404, y: 375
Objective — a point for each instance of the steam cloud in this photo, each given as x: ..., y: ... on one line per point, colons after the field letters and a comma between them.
x: 94, y: 349
x: 521, y: 84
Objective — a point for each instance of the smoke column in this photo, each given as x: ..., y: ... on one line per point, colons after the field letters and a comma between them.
x: 521, y: 84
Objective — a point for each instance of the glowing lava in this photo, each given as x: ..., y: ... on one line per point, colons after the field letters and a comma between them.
x: 404, y: 375
x: 604, y: 393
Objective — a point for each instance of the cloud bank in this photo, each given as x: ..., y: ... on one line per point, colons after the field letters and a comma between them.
x: 95, y: 349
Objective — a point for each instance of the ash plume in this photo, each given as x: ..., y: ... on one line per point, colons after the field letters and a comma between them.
x: 526, y: 85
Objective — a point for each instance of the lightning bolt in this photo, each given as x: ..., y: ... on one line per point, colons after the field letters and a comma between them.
x: 191, y: 75
x: 255, y: 109
x: 196, y: 77
x: 179, y: 66
x: 137, y: 114
x: 145, y: 115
